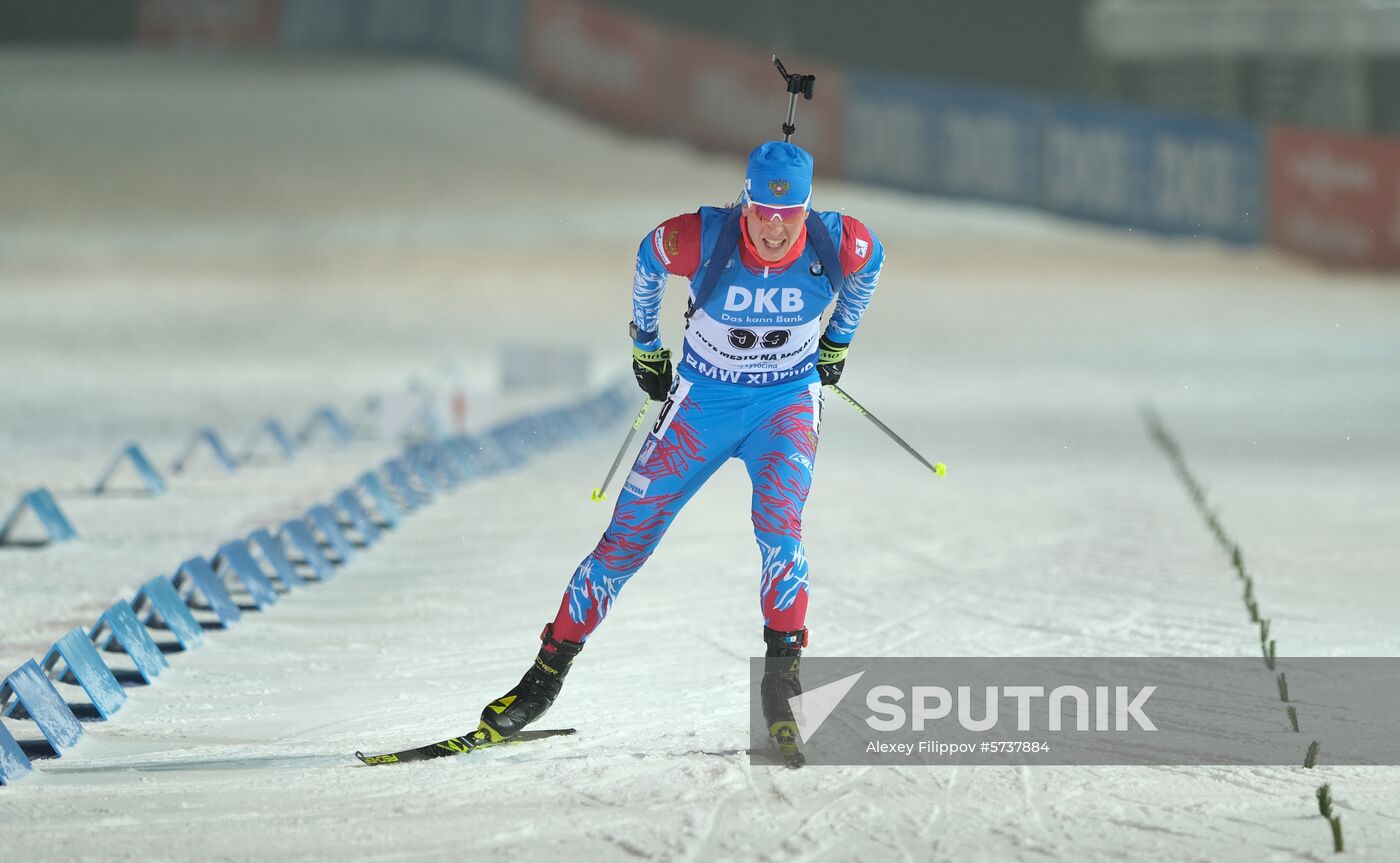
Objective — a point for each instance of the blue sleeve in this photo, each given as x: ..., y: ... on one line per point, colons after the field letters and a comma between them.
x: 857, y: 289
x: 648, y: 286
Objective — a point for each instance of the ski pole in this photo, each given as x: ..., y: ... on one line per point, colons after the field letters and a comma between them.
x: 600, y: 493
x: 937, y: 467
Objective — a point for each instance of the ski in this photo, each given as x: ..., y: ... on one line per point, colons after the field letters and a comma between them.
x: 459, y: 746
x: 767, y: 756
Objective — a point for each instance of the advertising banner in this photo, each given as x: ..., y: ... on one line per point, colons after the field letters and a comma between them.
x: 1173, y: 175
x: 1205, y: 178
x: 602, y: 63
x: 209, y: 23
x: 731, y: 98
x: 1335, y: 198
x: 952, y: 141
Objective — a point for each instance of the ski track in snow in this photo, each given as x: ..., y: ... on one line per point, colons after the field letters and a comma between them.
x: 224, y: 261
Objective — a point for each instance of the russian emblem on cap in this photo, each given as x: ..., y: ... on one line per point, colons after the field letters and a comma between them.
x: 778, y: 187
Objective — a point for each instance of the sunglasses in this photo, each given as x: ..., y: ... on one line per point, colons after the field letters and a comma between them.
x: 787, y: 213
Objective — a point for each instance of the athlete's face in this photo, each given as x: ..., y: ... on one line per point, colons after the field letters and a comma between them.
x: 773, y: 230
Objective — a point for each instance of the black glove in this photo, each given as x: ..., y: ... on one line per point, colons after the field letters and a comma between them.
x: 653, y: 371
x: 831, y: 360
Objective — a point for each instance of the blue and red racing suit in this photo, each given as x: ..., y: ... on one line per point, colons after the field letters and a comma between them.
x: 746, y: 387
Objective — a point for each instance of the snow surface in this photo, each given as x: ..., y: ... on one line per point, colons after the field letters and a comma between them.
x: 194, y: 239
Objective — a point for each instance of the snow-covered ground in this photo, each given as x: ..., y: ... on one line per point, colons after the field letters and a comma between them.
x: 189, y: 240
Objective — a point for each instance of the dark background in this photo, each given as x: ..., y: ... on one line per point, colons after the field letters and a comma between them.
x: 1042, y: 46
x: 1038, y: 46
x: 67, y: 20
x: 1020, y: 44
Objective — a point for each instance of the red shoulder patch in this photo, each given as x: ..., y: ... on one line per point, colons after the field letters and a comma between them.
x: 676, y: 243
x: 856, y: 245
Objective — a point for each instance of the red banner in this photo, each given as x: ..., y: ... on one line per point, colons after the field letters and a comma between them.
x: 206, y: 23
x: 603, y: 63
x: 731, y: 98
x: 1335, y: 197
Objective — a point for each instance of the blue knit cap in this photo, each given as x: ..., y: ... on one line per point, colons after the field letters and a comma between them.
x: 779, y: 174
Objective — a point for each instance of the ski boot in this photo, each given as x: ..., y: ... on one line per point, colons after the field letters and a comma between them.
x: 781, y: 664
x: 533, y: 695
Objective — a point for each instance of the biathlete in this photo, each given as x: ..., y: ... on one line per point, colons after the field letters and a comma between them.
x: 748, y: 386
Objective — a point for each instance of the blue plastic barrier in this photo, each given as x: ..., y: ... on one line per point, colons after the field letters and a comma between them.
x: 423, y: 461
x: 201, y: 578
x: 323, y: 520
x: 506, y: 446
x: 397, y: 475
x: 235, y: 556
x: 421, y: 473
x: 272, y: 430
x: 453, y: 453
x: 14, y: 764
x: 120, y: 624
x: 485, y: 454
x: 45, y: 509
x: 456, y: 452
x: 216, y: 445
x: 150, y: 477
x: 31, y: 690
x: 299, y: 535
x: 435, y: 457
x: 325, y: 416
x: 450, y: 463
x: 431, y: 468
x: 83, y: 664
x: 354, y: 512
x: 435, y: 465
x: 455, y: 449
x: 166, y: 604
x: 388, y: 510
x: 276, y: 557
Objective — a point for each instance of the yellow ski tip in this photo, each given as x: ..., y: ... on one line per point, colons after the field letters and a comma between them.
x: 598, y: 494
x: 940, y: 468
x: 377, y: 759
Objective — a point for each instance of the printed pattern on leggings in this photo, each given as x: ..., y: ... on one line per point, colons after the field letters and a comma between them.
x: 781, y: 468
x: 774, y: 431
